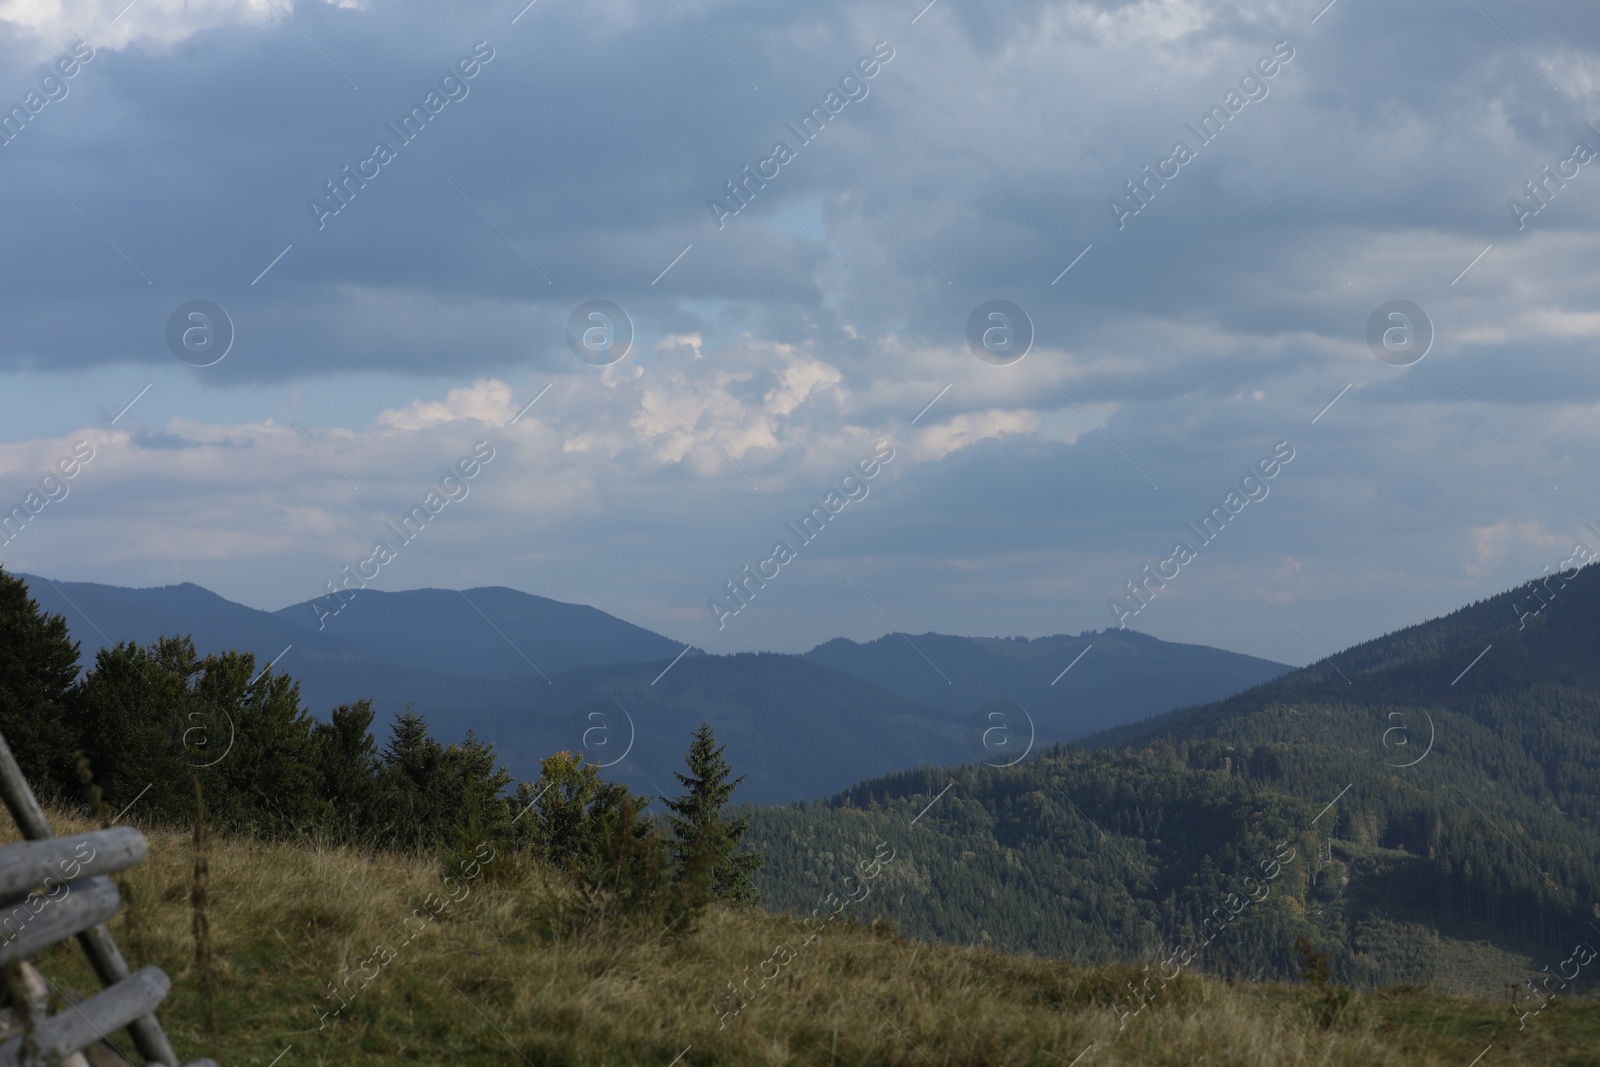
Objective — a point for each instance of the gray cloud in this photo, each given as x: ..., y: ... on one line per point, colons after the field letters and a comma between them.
x: 988, y: 148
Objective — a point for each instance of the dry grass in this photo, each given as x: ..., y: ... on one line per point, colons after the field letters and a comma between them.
x: 479, y: 985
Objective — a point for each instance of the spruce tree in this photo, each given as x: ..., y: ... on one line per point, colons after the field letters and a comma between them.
x: 153, y: 716
x: 348, y: 765
x: 699, y: 826
x: 136, y: 703
x: 411, y: 783
x: 38, y: 672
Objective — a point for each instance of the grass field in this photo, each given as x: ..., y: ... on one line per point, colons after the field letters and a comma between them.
x: 478, y: 983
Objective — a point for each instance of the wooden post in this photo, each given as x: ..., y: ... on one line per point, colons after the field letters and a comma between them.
x: 97, y: 943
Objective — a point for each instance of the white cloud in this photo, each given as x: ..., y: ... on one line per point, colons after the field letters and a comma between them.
x: 968, y: 428
x: 800, y: 379
x: 117, y: 24
x: 673, y: 341
x: 1577, y: 72
x: 990, y: 145
x: 488, y: 401
x: 1489, y: 545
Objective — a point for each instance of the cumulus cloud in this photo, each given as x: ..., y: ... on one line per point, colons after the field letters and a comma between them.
x: 1488, y: 545
x: 117, y: 24
x: 487, y: 401
x: 1576, y: 72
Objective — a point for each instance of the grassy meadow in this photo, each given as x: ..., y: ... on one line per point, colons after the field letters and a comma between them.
x: 485, y: 980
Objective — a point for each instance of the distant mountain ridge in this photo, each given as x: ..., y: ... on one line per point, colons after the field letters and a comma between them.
x: 1071, y: 686
x: 536, y: 675
x: 488, y: 632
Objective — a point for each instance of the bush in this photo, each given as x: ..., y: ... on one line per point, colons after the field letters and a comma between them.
x: 629, y: 876
x: 1333, y: 1001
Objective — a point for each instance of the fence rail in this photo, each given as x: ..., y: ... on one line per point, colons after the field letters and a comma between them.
x: 31, y: 921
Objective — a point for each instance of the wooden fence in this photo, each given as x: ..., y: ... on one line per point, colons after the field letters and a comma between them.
x: 30, y: 923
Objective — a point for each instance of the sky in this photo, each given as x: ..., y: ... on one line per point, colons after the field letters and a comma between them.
x: 1232, y: 309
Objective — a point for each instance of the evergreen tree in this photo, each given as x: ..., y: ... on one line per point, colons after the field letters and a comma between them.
x: 561, y: 818
x: 253, y: 746
x: 152, y: 717
x: 631, y: 875
x: 699, y: 826
x: 134, y: 716
x: 475, y: 786
x: 433, y: 794
x: 348, y: 765
x: 38, y: 666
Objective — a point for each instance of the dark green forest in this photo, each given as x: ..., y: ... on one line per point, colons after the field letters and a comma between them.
x: 1129, y: 844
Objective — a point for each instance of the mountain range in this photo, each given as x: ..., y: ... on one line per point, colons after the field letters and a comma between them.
x: 536, y: 675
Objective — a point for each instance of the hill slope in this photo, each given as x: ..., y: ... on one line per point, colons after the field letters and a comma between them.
x: 99, y: 615
x: 1431, y: 811
x: 795, y: 729
x: 332, y: 955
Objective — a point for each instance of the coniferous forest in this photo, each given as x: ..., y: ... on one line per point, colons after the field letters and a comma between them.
x: 1423, y: 816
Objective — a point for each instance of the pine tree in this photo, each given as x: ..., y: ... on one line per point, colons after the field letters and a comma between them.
x: 698, y: 823
x: 135, y: 709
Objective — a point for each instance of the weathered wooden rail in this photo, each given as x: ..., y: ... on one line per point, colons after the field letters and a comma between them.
x: 31, y: 922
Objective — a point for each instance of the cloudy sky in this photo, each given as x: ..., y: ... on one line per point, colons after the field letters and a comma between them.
x: 373, y: 347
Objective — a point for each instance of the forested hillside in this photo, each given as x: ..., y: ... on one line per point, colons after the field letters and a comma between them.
x: 1440, y: 809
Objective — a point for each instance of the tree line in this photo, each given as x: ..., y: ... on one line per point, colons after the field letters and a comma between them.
x: 143, y: 724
